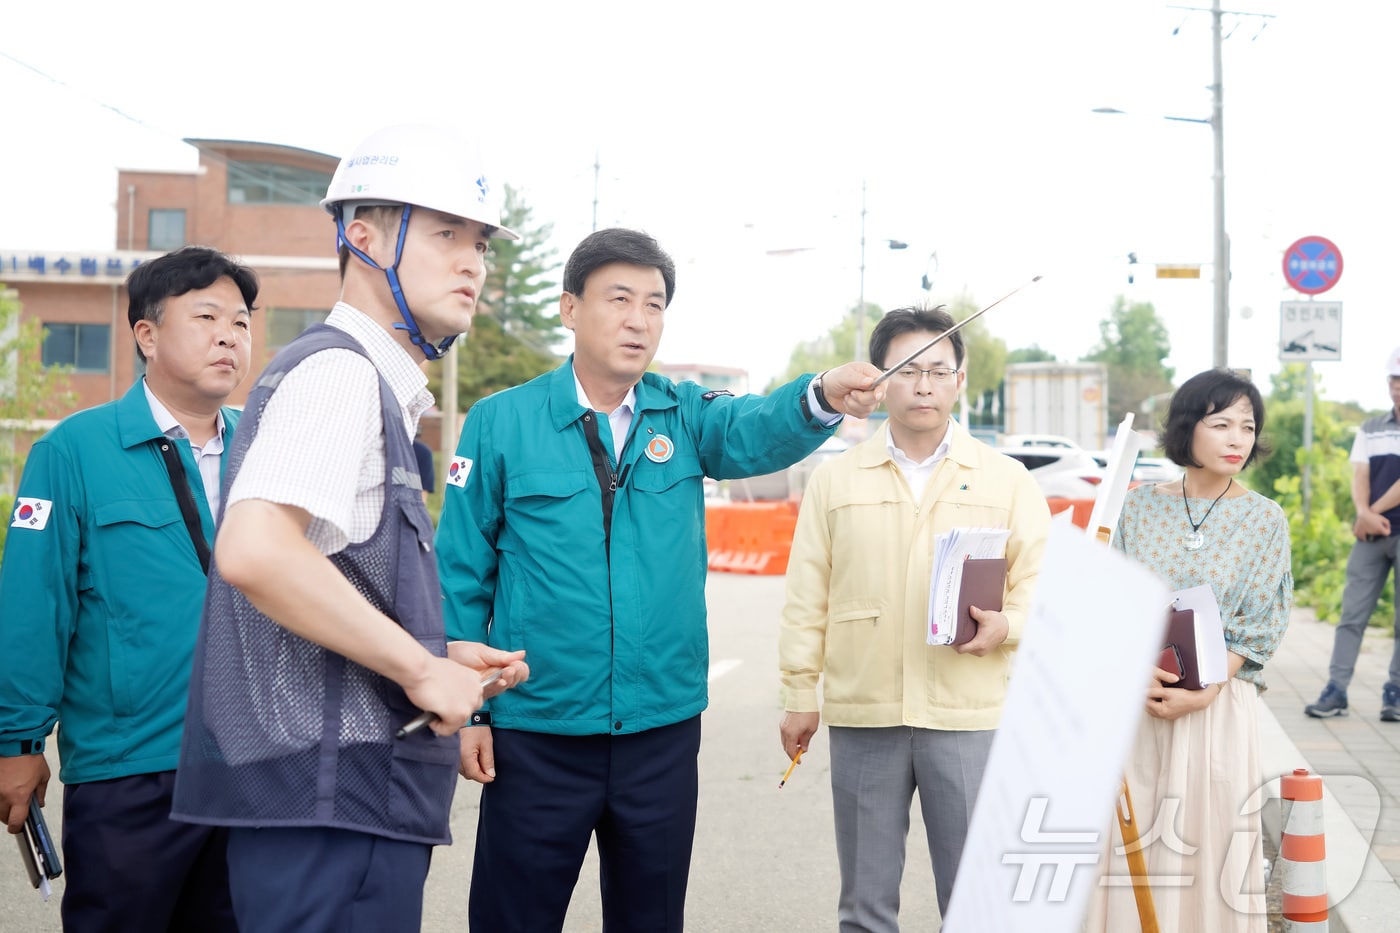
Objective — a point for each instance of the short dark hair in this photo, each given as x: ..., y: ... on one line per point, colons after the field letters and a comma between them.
x: 617, y: 244
x: 1203, y: 394
x: 184, y: 270
x: 384, y: 216
x: 906, y: 320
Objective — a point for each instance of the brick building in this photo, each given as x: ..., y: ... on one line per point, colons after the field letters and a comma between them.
x: 256, y: 201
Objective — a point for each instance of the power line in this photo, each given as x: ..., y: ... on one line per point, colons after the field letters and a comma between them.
x: 68, y: 87
x: 250, y: 169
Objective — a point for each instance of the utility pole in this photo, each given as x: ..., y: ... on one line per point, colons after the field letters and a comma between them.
x: 860, y: 303
x: 597, y: 166
x: 447, y: 439
x: 1220, y: 355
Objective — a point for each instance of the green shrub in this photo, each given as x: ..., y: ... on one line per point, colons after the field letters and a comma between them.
x: 7, y: 509
x: 1322, y: 539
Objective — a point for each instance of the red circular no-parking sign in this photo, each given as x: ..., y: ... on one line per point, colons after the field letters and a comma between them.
x: 1312, y: 265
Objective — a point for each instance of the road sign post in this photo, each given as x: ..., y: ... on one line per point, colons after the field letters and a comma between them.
x: 1309, y: 330
x: 1311, y: 265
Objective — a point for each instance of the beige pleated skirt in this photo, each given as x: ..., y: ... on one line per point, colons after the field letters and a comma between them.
x: 1194, y: 783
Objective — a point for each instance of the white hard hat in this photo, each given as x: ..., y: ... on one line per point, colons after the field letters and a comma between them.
x: 427, y: 166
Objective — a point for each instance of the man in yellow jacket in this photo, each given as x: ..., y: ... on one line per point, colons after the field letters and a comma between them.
x: 902, y: 715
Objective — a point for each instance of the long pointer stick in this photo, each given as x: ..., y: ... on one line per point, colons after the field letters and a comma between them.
x: 952, y: 330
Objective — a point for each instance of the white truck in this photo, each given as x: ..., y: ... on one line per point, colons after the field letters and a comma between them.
x: 1067, y: 399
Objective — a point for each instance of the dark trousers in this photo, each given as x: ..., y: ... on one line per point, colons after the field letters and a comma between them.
x: 291, y: 879
x: 128, y: 866
x: 1370, y: 563
x: 552, y: 793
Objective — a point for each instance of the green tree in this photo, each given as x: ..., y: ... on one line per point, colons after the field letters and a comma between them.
x: 520, y: 292
x: 1322, y: 540
x: 832, y: 349
x: 1133, y: 342
x: 29, y: 392
x: 986, y: 356
x: 1031, y: 354
x: 492, y: 359
x: 1321, y: 537
x: 517, y: 324
x: 1289, y: 383
x: 1334, y: 426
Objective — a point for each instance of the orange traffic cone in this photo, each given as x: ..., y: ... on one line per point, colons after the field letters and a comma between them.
x: 1302, y: 856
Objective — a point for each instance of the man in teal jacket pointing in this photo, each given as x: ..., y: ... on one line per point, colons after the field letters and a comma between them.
x: 573, y: 527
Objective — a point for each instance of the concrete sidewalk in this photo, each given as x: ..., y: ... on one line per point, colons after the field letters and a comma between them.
x: 1358, y: 757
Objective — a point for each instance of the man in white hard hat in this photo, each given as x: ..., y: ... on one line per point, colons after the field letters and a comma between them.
x: 322, y: 633
x: 1375, y: 491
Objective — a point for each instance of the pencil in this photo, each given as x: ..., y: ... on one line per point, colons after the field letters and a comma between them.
x: 790, y: 767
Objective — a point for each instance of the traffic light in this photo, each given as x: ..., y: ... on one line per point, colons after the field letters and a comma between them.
x: 1132, y: 261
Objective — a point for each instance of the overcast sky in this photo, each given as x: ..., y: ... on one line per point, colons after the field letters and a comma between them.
x: 729, y: 130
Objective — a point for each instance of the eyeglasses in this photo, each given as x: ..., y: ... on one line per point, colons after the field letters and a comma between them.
x: 911, y: 374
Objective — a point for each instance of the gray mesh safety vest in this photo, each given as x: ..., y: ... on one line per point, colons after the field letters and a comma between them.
x: 282, y: 732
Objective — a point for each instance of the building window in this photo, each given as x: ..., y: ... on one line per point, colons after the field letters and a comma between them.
x: 85, y: 347
x: 167, y: 229
x: 270, y: 183
x: 283, y: 324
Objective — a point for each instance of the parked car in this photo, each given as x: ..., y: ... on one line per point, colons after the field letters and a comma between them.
x: 1066, y: 472
x: 1147, y: 469
x: 1155, y: 470
x: 784, y: 484
x: 1038, y: 440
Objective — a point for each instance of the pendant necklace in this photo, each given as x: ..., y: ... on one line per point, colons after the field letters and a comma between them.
x: 1195, y: 539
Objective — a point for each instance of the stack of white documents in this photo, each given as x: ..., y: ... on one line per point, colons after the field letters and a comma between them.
x: 950, y: 550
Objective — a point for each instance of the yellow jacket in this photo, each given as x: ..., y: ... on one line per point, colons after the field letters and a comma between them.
x: 858, y: 582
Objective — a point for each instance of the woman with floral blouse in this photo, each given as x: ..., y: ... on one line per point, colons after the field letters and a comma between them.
x: 1195, y: 764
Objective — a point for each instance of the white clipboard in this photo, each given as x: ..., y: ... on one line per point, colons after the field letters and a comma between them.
x: 1108, y: 502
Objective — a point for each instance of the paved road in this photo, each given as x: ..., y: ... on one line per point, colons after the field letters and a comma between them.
x: 765, y: 858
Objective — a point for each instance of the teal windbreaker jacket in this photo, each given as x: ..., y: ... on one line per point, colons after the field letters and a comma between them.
x: 615, y: 636
x: 100, y: 595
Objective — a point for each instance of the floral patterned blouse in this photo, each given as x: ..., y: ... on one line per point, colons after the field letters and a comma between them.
x: 1246, y: 559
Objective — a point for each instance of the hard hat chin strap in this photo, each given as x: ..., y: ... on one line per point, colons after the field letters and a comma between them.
x: 391, y: 274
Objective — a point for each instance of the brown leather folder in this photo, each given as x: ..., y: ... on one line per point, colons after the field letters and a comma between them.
x: 984, y: 586
x: 1181, y: 635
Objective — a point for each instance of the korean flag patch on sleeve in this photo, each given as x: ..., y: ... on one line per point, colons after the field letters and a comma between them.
x: 32, y: 513
x: 457, y: 471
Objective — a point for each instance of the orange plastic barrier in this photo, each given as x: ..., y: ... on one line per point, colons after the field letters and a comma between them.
x: 756, y: 537
x: 1082, y: 508
x: 750, y: 537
